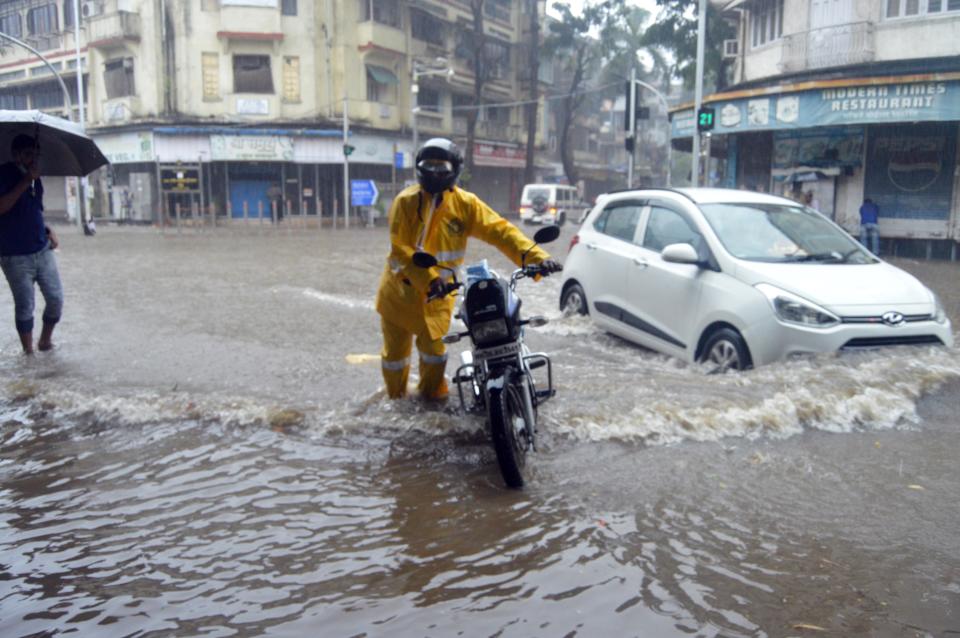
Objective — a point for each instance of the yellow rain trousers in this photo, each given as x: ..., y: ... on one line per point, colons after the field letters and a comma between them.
x: 418, y: 221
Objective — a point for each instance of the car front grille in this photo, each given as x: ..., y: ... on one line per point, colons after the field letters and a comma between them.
x: 876, y: 342
x: 871, y: 319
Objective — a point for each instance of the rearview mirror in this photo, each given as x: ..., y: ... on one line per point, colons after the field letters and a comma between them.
x: 680, y: 254
x: 546, y: 234
x: 424, y: 260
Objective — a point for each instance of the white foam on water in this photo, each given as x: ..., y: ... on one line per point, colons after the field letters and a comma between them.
x: 830, y: 393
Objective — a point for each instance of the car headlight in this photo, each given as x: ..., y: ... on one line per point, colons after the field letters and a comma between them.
x: 939, y: 314
x: 793, y: 309
x: 486, y: 331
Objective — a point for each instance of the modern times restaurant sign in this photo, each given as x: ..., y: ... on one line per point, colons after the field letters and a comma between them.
x: 933, y: 98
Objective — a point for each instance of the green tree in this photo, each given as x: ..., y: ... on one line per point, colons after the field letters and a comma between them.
x: 676, y: 31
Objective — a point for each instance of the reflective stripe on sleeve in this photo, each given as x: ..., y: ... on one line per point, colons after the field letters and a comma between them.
x: 450, y: 255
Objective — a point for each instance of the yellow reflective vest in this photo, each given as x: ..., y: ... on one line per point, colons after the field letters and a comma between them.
x: 441, y: 231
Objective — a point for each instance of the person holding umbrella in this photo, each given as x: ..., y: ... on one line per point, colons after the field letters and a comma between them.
x: 27, y: 243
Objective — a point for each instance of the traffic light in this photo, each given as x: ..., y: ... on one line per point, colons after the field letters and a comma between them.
x: 347, y: 149
x: 629, y: 143
x: 705, y: 119
x: 643, y: 112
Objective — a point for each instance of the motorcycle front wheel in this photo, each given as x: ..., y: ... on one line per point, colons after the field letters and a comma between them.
x: 510, y: 432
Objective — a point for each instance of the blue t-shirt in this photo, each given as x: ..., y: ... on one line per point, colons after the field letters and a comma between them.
x: 869, y: 213
x: 22, y: 231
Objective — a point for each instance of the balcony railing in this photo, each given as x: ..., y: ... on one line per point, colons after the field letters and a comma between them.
x: 839, y: 45
x: 112, y: 28
x: 45, y: 42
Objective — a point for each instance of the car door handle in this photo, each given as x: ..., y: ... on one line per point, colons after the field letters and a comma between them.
x: 640, y: 263
x: 590, y: 246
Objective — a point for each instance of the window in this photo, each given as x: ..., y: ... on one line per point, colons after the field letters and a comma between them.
x: 380, y: 81
x: 499, y: 114
x: 42, y: 20
x: 497, y: 54
x: 426, y: 27
x: 380, y: 11
x: 251, y: 74
x: 911, y: 8
x: 288, y: 7
x: 15, y: 101
x: 291, y: 79
x: 668, y: 227
x: 497, y: 9
x: 67, y: 13
x: 118, y: 78
x: 47, y: 96
x: 10, y: 24
x: 210, y: 69
x: 428, y: 100
x: 766, y: 22
x: 619, y: 221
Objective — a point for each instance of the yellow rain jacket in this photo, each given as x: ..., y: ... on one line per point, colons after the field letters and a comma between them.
x: 402, y: 297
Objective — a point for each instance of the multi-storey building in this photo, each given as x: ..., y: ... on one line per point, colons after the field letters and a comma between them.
x: 848, y: 99
x: 227, y: 105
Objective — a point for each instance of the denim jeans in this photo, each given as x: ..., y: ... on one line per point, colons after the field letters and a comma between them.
x: 870, y: 232
x: 22, y: 271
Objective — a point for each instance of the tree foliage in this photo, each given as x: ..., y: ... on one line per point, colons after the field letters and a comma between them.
x: 676, y: 31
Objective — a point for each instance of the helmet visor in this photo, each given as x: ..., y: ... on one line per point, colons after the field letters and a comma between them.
x: 435, y: 166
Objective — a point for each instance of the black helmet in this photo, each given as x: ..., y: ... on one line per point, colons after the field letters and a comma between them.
x: 439, y: 162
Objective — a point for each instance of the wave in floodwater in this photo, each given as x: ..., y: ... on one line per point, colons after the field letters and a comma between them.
x: 635, y: 396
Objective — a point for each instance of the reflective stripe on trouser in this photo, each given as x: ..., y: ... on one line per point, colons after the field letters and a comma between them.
x: 395, y: 362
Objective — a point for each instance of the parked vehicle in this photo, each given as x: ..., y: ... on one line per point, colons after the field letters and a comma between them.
x: 738, y: 279
x: 496, y: 376
x: 550, y: 204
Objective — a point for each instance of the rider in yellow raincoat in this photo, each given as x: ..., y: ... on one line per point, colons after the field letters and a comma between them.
x: 436, y: 217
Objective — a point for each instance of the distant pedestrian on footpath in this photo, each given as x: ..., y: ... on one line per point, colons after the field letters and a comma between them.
x: 27, y: 244
x: 869, y: 225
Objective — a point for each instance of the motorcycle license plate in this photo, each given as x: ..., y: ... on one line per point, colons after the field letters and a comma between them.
x: 498, y: 351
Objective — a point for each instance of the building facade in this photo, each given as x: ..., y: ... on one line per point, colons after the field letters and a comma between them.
x: 846, y: 99
x: 228, y: 108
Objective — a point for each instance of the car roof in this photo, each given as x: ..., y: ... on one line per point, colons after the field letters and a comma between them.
x: 710, y: 195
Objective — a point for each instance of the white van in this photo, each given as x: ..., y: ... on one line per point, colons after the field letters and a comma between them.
x: 550, y: 204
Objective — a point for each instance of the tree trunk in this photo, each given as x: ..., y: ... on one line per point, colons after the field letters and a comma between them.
x: 570, y: 105
x: 479, y: 79
x: 534, y: 69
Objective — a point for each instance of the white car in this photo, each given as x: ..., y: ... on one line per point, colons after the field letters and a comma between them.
x: 738, y: 279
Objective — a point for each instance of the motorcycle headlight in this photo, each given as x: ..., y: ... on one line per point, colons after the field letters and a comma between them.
x: 793, y: 309
x: 487, y: 331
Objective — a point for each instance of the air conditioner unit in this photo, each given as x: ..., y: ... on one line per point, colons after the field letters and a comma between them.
x: 731, y: 48
x: 91, y: 8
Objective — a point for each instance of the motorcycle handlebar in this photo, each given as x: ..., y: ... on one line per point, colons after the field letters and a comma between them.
x: 448, y: 287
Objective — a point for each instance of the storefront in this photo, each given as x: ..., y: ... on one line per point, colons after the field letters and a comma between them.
x: 892, y: 139
x: 237, y: 173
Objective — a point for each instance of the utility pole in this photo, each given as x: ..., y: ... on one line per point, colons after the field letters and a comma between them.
x: 84, y: 182
x: 698, y: 99
x: 346, y: 166
x: 631, y: 125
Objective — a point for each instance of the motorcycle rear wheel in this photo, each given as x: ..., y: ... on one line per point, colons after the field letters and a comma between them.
x: 510, y: 431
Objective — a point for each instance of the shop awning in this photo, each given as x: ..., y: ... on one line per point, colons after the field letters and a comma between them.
x: 381, y: 75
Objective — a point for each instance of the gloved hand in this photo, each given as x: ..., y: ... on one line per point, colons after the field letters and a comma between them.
x: 551, y: 265
x: 436, y: 289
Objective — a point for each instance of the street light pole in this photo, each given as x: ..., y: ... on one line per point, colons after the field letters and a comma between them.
x: 698, y: 99
x: 84, y: 183
x: 415, y: 91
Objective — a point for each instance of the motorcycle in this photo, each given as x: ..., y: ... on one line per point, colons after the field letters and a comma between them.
x: 496, y: 376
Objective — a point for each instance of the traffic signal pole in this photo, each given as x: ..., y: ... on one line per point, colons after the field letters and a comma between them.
x: 698, y: 99
x: 631, y: 125
x: 346, y: 169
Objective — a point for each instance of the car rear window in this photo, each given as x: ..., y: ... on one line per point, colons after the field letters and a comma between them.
x: 534, y: 193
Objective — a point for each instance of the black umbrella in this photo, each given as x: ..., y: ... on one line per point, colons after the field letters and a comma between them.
x: 65, y: 150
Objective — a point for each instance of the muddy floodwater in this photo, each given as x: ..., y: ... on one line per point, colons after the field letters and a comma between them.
x: 207, y: 452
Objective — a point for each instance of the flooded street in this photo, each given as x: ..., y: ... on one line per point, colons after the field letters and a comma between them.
x: 208, y: 453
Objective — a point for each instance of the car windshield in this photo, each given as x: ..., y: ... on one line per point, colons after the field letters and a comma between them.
x: 534, y: 193
x: 778, y: 233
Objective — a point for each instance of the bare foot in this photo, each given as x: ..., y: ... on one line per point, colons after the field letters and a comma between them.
x: 44, y: 346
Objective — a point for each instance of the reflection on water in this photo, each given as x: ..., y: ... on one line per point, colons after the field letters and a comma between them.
x: 206, y: 453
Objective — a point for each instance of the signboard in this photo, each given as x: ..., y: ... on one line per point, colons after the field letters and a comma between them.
x: 253, y: 106
x: 818, y: 147
x: 363, y: 192
x: 499, y: 155
x: 180, y: 179
x: 127, y: 148
x: 910, y: 168
x: 262, y: 148
x: 868, y: 104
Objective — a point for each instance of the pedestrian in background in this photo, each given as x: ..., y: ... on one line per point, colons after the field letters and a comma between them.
x: 27, y: 244
x: 869, y: 225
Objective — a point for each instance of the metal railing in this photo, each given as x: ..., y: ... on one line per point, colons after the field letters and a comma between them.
x: 838, y: 45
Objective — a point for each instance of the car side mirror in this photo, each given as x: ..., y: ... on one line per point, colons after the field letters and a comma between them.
x: 680, y: 254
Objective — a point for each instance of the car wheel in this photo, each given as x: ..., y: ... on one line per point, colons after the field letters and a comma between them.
x: 574, y: 301
x: 725, y: 350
